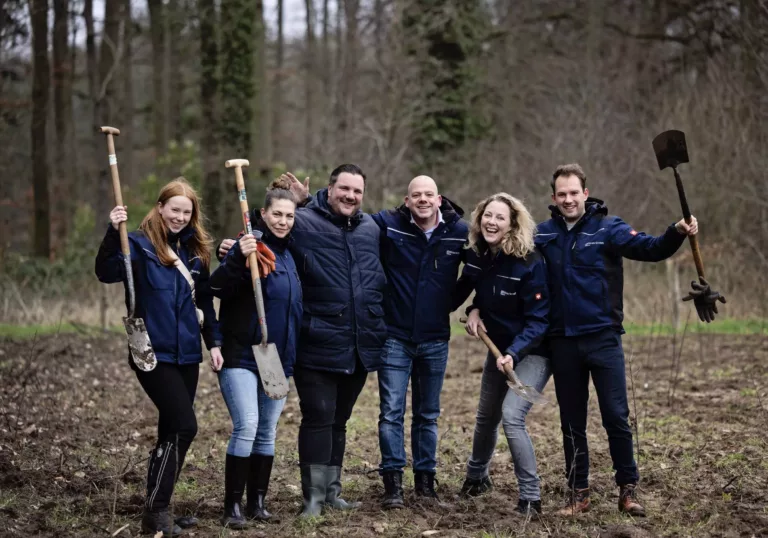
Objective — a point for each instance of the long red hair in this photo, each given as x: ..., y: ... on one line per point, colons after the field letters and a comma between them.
x: 154, y: 228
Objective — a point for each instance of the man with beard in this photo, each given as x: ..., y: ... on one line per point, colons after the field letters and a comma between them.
x: 336, y: 249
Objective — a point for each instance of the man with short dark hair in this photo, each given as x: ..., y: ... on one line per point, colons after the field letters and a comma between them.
x: 584, y: 247
x: 336, y: 249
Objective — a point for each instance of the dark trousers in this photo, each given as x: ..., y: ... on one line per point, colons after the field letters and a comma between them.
x: 326, y: 400
x: 172, y: 389
x: 574, y: 360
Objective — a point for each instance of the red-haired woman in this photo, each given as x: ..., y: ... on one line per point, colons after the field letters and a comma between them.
x: 172, y: 230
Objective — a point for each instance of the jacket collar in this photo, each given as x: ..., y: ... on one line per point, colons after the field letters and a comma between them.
x: 319, y: 203
x: 593, y: 206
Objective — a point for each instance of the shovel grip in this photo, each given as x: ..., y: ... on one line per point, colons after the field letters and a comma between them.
x: 687, y: 216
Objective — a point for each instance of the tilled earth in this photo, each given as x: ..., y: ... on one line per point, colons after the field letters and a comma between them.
x: 75, y: 430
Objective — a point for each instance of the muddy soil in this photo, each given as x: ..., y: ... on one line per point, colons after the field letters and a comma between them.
x: 75, y: 431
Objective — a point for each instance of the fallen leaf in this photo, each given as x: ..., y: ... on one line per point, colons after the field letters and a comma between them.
x: 380, y: 527
x: 429, y: 533
x: 79, y: 474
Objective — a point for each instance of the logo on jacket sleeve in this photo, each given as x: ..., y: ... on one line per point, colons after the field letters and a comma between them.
x: 538, y: 296
x: 632, y: 232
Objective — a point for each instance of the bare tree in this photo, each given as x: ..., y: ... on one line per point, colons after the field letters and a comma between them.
x: 277, y: 84
x: 309, y: 84
x: 62, y: 105
x: 40, y: 94
x: 128, y: 102
x: 160, y: 100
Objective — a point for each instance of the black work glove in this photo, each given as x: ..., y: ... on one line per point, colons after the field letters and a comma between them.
x: 704, y: 299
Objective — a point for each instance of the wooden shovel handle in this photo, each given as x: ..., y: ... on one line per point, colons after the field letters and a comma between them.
x: 508, y: 368
x: 122, y: 227
x: 687, y: 216
x: 253, y: 261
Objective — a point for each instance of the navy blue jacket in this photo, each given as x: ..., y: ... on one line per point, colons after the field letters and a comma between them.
x: 586, y: 275
x: 343, y: 284
x: 421, y: 274
x: 231, y: 282
x: 163, y: 296
x: 512, y: 295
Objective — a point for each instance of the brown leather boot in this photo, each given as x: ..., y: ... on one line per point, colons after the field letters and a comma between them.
x: 578, y: 503
x: 628, y: 502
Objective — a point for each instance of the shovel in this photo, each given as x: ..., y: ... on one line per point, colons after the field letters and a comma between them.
x: 526, y: 392
x: 138, y: 339
x: 267, y: 358
x: 671, y: 151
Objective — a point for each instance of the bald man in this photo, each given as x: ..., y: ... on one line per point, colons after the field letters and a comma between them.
x: 421, y: 249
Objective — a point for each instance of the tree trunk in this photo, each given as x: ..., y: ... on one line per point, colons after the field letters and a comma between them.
x: 213, y: 188
x: 40, y: 90
x: 128, y: 105
x: 157, y: 31
x: 109, y: 64
x: 97, y: 145
x: 309, y: 83
x: 175, y: 17
x: 349, y: 69
x: 277, y: 95
x: 62, y: 104
x: 263, y: 143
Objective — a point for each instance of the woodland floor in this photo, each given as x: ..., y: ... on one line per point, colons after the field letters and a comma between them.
x: 75, y: 430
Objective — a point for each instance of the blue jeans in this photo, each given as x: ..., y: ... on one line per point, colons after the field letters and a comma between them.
x: 425, y: 363
x: 254, y: 414
x: 499, y: 404
x: 574, y: 359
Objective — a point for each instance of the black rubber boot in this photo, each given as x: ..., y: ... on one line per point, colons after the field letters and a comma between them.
x: 235, y: 476
x: 333, y: 491
x: 258, y: 482
x: 528, y: 507
x: 393, y: 490
x: 154, y: 522
x: 424, y: 485
x: 313, y: 489
x: 473, y: 487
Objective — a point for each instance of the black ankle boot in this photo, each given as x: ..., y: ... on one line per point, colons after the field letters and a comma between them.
x: 159, y: 521
x: 424, y: 484
x: 393, y: 490
x: 258, y: 482
x: 313, y: 489
x: 473, y: 487
x: 235, y: 476
x: 526, y: 507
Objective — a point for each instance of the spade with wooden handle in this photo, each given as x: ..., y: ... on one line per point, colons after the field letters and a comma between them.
x: 671, y: 150
x: 138, y: 339
x: 267, y: 358
x: 526, y: 392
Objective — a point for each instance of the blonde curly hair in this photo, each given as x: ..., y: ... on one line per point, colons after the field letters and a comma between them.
x: 518, y: 241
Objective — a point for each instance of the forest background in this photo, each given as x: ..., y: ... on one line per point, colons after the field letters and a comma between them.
x: 483, y: 95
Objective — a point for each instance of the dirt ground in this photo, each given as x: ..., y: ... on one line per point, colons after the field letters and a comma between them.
x: 75, y: 430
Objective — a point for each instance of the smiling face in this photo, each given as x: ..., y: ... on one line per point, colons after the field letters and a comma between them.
x: 423, y: 200
x: 569, y: 197
x: 345, y: 196
x: 176, y: 213
x: 495, y: 223
x: 279, y: 217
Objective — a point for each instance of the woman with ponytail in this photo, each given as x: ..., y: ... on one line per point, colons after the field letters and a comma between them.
x: 251, y: 449
x: 176, y: 314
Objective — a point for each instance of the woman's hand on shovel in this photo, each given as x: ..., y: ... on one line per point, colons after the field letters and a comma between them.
x: 217, y: 361
x: 473, y: 322
x: 117, y: 215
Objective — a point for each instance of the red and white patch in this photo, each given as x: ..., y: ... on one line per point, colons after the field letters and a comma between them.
x: 633, y: 232
x: 538, y: 296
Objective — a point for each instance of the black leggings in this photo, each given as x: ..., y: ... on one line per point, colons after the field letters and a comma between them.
x: 172, y: 388
x: 326, y: 401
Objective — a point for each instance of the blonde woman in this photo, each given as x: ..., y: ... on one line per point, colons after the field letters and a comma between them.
x: 511, y: 304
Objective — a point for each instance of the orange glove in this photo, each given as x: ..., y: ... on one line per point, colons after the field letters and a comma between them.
x: 266, y: 259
